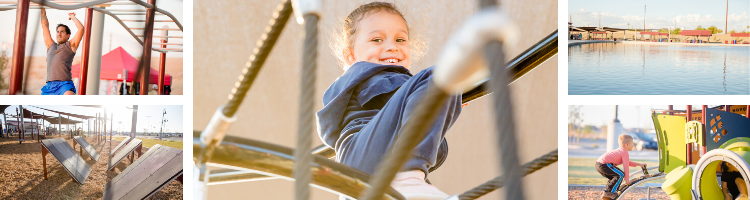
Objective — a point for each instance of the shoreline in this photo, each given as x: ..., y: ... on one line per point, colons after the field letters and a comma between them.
x: 581, y: 42
x: 697, y: 44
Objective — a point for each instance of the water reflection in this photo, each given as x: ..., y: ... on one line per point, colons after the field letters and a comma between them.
x: 673, y: 69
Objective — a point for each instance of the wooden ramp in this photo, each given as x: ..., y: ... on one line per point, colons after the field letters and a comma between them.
x: 122, y: 144
x: 133, y: 147
x: 68, y: 158
x: 86, y: 147
x: 147, y: 175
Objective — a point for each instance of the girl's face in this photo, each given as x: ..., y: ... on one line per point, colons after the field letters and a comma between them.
x: 381, y: 38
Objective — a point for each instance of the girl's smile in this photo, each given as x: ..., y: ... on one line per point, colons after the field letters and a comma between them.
x: 381, y: 38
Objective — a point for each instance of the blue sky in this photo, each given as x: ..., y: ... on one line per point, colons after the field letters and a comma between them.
x: 174, y: 115
x: 114, y: 34
x: 687, y: 14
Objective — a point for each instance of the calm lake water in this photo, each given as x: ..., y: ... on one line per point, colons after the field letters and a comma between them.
x: 654, y: 69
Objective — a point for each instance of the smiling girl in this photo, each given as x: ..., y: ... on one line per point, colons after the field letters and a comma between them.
x: 365, y: 108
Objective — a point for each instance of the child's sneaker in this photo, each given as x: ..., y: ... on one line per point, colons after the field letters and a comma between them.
x: 608, y: 196
x: 411, y: 184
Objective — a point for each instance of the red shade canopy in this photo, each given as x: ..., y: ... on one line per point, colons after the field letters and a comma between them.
x: 653, y: 33
x: 696, y: 32
x: 113, y: 64
x: 739, y: 34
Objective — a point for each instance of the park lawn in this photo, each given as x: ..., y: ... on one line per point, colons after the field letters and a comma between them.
x: 151, y: 142
x: 581, y: 171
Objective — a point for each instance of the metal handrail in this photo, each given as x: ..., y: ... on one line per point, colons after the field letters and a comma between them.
x: 277, y: 161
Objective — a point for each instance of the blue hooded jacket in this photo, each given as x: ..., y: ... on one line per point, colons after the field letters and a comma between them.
x: 365, y: 79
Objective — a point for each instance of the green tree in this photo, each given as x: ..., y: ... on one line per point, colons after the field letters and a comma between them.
x: 663, y: 31
x: 714, y: 30
x: 4, y: 63
x: 676, y: 31
x: 575, y: 118
x: 700, y: 28
x: 732, y: 31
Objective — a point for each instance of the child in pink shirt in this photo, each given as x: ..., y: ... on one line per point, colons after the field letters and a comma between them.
x: 606, y: 165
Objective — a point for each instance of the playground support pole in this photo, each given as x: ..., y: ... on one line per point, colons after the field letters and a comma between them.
x: 5, y: 124
x: 689, y: 147
x: 671, y: 108
x: 747, y: 112
x: 95, y: 53
x: 19, y: 47
x: 86, y: 51
x: 111, y: 123
x: 147, y: 43
x: 59, y: 121
x: 135, y: 119
x: 23, y: 129
x: 703, y: 118
x: 162, y: 60
x: 124, y: 82
x: 104, y: 126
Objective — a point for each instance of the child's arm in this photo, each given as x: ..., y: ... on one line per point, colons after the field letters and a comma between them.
x: 725, y: 191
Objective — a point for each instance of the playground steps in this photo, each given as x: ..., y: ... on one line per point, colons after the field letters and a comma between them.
x: 123, y: 143
x: 147, y: 175
x: 68, y: 158
x: 132, y: 147
x: 86, y: 147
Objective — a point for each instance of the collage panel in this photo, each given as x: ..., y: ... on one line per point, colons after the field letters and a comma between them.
x: 91, y: 151
x: 91, y: 47
x: 658, y: 151
x: 658, y: 48
x: 365, y: 93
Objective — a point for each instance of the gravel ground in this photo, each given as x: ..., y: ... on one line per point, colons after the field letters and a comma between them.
x: 591, y: 192
x: 22, y: 176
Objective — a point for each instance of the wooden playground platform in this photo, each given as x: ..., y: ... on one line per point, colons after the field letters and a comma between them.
x: 22, y: 175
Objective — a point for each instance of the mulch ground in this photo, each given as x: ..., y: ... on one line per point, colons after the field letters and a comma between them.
x: 22, y: 175
x: 584, y: 192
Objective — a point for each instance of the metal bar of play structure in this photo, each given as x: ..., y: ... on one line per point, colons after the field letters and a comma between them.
x: 86, y: 52
x: 146, y: 59
x: 162, y: 61
x: 19, y: 49
x: 688, y: 147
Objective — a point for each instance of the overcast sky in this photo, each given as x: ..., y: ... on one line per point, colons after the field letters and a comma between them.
x: 630, y: 116
x: 687, y: 14
x: 114, y: 34
x: 121, y: 114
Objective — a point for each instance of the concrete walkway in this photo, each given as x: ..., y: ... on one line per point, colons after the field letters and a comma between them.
x: 580, y: 42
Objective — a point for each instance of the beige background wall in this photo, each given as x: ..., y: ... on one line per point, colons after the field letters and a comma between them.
x: 226, y: 32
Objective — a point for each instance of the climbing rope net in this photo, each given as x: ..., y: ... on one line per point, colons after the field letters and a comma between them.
x: 485, y: 33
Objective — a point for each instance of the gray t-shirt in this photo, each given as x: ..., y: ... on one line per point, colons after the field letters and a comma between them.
x: 59, y: 62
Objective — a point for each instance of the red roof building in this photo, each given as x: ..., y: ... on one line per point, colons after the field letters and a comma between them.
x: 696, y: 32
x: 739, y: 34
x: 113, y: 64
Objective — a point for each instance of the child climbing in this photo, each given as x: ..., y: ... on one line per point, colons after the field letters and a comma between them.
x: 732, y: 183
x: 606, y: 165
x: 365, y: 108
